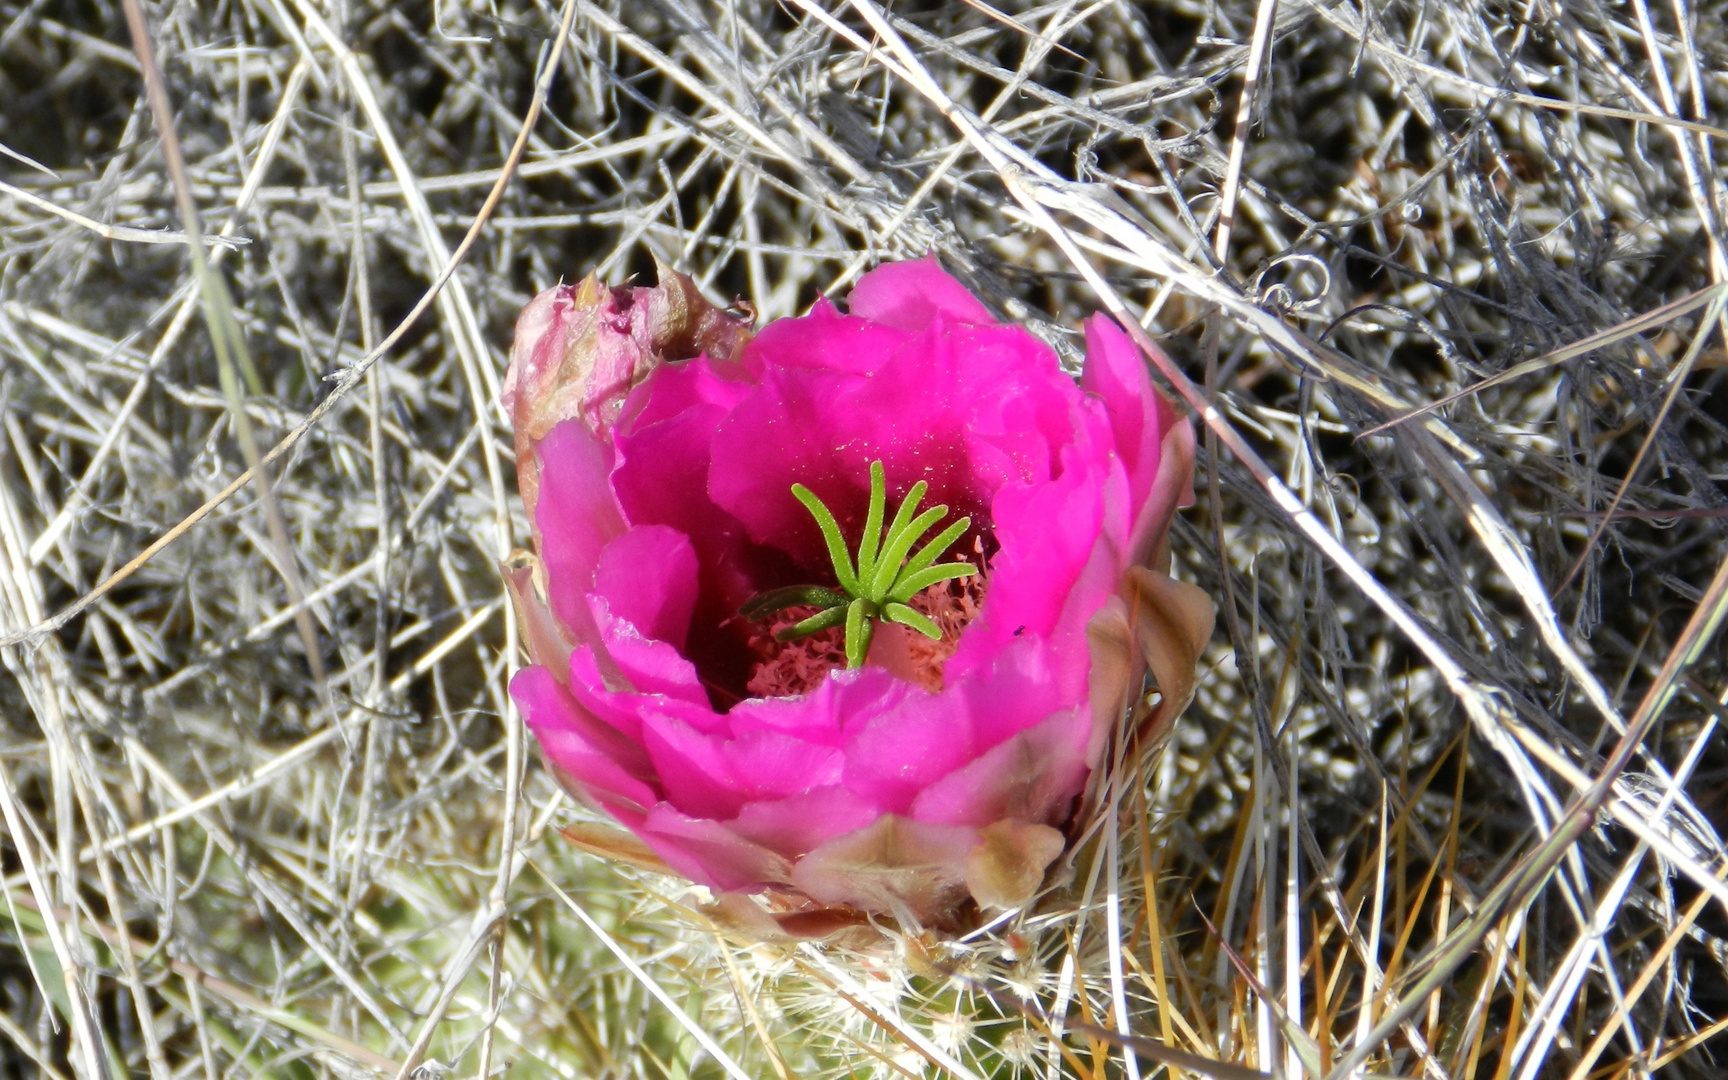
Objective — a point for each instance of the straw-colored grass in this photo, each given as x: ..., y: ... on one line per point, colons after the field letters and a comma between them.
x: 1448, y: 804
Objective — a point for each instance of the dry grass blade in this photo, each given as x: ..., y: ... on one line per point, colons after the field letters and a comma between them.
x: 1600, y: 340
x: 232, y: 360
x: 237, y: 996
x: 123, y: 233
x: 1439, y: 282
x: 87, y: 1051
x: 1676, y: 383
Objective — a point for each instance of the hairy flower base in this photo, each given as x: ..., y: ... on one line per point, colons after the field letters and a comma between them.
x: 790, y: 668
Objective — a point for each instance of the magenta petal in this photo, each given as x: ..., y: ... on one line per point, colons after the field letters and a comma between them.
x: 1011, y: 392
x: 1033, y: 776
x: 648, y: 578
x: 823, y: 430
x: 625, y: 709
x: 677, y: 388
x: 898, y: 751
x: 611, y: 768
x: 797, y: 825
x: 966, y: 409
x: 824, y: 340
x: 708, y: 852
x: 908, y: 295
x: 822, y: 715
x: 1048, y: 533
x: 770, y: 765
x: 692, y: 767
x: 1095, y: 581
x: 1173, y: 487
x: 1156, y: 446
x: 662, y: 479
x: 1055, y: 537
x: 576, y: 518
x: 662, y: 474
x: 1116, y: 375
x: 1017, y: 691
x: 650, y: 667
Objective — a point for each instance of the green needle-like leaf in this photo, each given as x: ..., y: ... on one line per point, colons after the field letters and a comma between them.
x: 894, y: 554
x: 913, y: 618
x: 910, y: 585
x: 815, y: 624
x: 859, y: 631
x: 767, y: 603
x: 934, y: 549
x: 872, y: 539
x: 903, y: 516
x: 831, y: 534
x: 881, y: 581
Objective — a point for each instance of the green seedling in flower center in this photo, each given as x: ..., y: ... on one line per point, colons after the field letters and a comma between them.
x: 877, y: 583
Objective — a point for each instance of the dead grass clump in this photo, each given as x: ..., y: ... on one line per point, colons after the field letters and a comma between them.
x: 1448, y: 805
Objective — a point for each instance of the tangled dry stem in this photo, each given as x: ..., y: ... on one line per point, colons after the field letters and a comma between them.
x: 1329, y: 214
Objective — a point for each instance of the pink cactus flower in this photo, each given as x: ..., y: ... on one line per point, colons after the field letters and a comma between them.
x: 742, y: 653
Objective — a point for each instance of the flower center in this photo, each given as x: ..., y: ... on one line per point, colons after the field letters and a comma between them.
x: 793, y: 668
x: 879, y: 583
